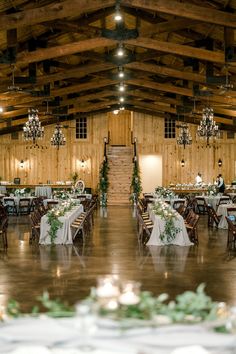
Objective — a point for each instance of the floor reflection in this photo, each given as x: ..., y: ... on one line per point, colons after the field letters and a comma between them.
x: 169, y: 258
x: 59, y: 256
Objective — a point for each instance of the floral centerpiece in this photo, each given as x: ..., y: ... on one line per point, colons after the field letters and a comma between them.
x: 20, y: 192
x: 163, y: 192
x: 212, y: 190
x: 169, y: 215
x: 63, y: 195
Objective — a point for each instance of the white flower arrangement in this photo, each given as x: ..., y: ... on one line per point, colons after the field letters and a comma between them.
x: 20, y: 192
x: 212, y: 190
x: 164, y: 192
x: 169, y: 215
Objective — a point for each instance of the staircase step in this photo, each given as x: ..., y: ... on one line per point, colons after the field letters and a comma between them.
x: 120, y: 159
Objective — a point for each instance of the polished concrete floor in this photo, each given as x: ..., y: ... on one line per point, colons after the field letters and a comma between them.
x: 68, y: 272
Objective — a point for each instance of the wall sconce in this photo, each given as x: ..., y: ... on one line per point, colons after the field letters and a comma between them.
x: 82, y: 163
x: 219, y: 162
x: 182, y: 163
x: 21, y: 164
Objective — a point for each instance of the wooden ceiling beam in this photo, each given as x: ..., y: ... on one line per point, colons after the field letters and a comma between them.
x: 178, y: 90
x: 51, y: 12
x: 185, y: 9
x: 167, y: 26
x: 178, y: 49
x: 75, y: 72
x: 166, y: 71
x: 63, y: 50
x: 166, y: 109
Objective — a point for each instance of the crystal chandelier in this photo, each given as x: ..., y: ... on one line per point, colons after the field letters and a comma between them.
x: 184, y: 137
x: 208, y: 128
x: 32, y: 129
x: 58, y: 139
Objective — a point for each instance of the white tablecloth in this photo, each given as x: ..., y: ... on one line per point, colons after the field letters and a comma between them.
x: 222, y: 210
x: 17, y: 200
x: 170, y: 200
x: 64, y: 236
x: 3, y: 189
x: 213, y: 200
x: 181, y: 239
x: 43, y: 191
x: 66, y: 336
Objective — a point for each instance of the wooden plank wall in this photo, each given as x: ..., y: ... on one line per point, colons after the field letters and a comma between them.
x: 49, y: 164
x: 198, y: 157
x: 54, y: 165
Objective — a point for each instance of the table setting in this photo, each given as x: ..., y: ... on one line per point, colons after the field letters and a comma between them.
x: 168, y: 226
x: 55, y: 225
x: 119, y: 317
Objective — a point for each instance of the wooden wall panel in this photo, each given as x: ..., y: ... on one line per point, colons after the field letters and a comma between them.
x: 48, y: 163
x: 198, y: 157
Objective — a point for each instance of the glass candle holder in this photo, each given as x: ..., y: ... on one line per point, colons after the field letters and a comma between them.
x: 130, y: 294
x: 107, y: 292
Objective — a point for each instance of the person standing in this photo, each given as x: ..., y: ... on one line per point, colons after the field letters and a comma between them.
x: 221, y: 184
x: 198, y: 179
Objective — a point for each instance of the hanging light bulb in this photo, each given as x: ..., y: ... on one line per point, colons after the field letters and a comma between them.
x: 58, y: 139
x: 121, y: 73
x: 120, y: 50
x: 118, y: 16
x: 32, y: 129
x: 122, y: 99
x: 121, y: 87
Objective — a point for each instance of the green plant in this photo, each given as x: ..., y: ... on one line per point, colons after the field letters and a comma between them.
x: 136, y: 186
x: 74, y: 177
x: 54, y: 222
x: 103, y: 182
x: 169, y: 215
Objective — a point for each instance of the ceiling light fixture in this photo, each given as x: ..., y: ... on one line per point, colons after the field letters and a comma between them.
x: 208, y: 128
x: 120, y: 50
x: 1, y: 110
x: 122, y: 99
x: 118, y: 16
x: 184, y: 137
x: 32, y: 129
x: 58, y: 139
x: 122, y: 87
x: 116, y: 111
x: 121, y: 73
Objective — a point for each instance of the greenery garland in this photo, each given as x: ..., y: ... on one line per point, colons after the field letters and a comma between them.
x: 168, y: 215
x: 53, y: 219
x: 104, y: 182
x: 136, y: 185
x: 188, y: 307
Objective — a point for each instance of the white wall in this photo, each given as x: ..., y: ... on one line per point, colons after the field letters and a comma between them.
x: 151, y: 172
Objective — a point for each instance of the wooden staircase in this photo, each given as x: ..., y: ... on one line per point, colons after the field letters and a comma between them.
x: 120, y: 174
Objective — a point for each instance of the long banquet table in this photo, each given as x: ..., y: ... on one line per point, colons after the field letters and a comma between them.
x: 66, y: 336
x: 64, y: 235
x: 223, y: 211
x: 181, y: 238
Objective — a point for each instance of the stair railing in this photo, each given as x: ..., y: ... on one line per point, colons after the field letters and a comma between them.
x: 136, y: 187
x: 103, y: 174
x: 106, y: 142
